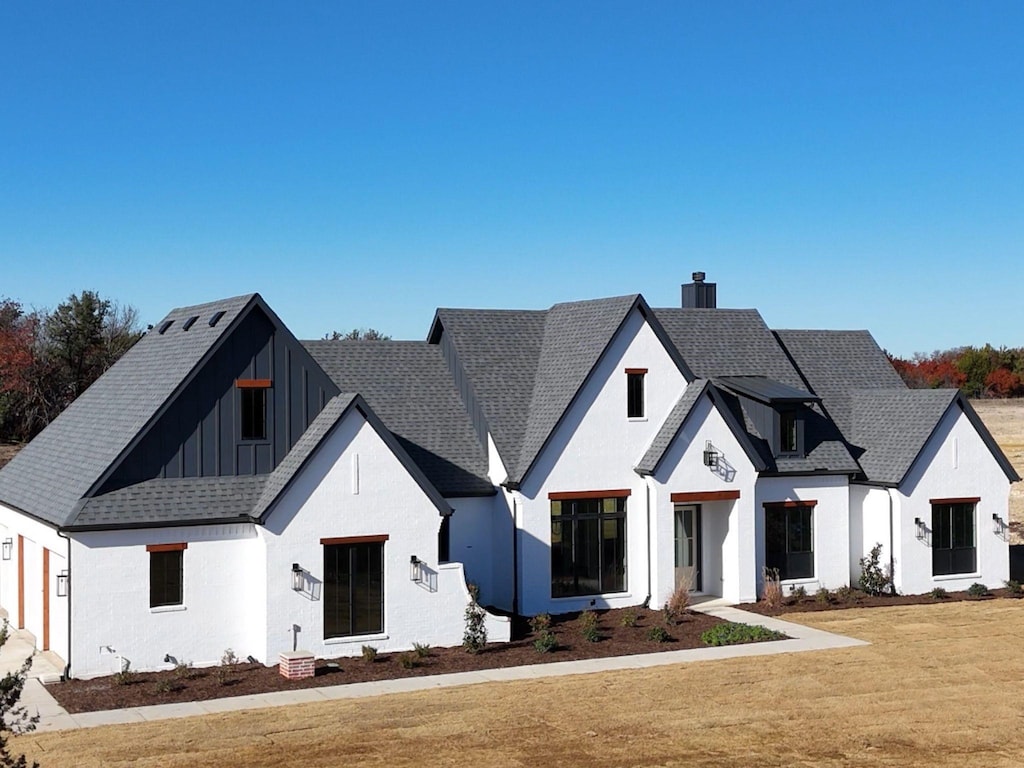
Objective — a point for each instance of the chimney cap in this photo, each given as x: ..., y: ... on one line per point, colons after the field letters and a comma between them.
x: 698, y: 277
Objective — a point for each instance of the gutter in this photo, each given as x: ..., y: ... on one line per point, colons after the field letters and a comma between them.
x: 647, y: 489
x: 892, y: 556
x: 515, y: 558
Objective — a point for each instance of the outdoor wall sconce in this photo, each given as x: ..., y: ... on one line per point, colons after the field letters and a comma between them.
x: 922, y: 529
x: 62, y: 584
x: 710, y: 455
x: 8, y: 546
x: 415, y: 572
x: 997, y: 524
x: 297, y: 580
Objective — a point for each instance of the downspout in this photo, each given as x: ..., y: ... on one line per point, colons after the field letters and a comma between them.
x: 66, y: 675
x: 892, y: 555
x: 647, y: 489
x: 515, y: 557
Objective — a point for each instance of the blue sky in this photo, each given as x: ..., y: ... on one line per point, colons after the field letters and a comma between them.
x: 836, y: 165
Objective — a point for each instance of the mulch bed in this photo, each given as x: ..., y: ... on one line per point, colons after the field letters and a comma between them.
x: 198, y: 684
x: 855, y: 598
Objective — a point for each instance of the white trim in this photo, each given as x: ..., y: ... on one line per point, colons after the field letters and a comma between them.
x: 167, y: 608
x: 352, y: 639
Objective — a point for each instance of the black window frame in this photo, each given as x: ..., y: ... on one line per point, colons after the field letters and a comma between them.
x: 951, y: 521
x: 353, y: 606
x: 166, y: 576
x: 252, y: 410
x: 789, y: 540
x: 636, y: 393
x: 789, y: 432
x: 595, y: 564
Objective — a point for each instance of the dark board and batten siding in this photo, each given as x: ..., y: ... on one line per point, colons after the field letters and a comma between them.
x: 200, y: 433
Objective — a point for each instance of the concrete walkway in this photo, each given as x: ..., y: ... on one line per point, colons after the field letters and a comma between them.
x: 53, y: 717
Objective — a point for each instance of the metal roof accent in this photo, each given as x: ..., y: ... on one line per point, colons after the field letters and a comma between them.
x: 766, y: 390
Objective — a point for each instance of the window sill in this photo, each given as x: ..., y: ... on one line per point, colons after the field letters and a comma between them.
x: 636, y: 418
x: 598, y: 596
x: 352, y: 639
x: 799, y: 581
x: 956, y: 576
x: 167, y: 608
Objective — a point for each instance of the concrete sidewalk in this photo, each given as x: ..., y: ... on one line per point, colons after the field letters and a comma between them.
x: 53, y: 717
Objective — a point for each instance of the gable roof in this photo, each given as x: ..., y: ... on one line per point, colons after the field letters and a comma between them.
x: 527, y: 367
x: 673, y: 423
x: 99, y: 426
x: 408, y: 385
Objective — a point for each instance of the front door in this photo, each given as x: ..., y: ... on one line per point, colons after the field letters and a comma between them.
x: 688, y: 550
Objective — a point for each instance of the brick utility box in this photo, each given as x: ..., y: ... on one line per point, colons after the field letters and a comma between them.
x: 296, y: 665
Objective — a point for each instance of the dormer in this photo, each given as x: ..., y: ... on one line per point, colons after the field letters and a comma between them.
x: 779, y: 411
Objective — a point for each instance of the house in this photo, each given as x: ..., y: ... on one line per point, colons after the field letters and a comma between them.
x: 227, y: 486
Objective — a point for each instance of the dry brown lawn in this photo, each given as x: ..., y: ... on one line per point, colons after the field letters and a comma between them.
x: 1005, y: 420
x: 940, y: 686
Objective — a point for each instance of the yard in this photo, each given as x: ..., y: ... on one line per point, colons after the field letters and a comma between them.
x: 942, y: 685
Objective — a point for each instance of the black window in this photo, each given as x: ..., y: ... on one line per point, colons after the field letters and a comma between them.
x: 588, y: 546
x: 444, y: 540
x: 635, y: 393
x: 166, y: 577
x: 789, y: 441
x: 254, y: 413
x: 353, y: 589
x: 953, y: 547
x: 789, y: 540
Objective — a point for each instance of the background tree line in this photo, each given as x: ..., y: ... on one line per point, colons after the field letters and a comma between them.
x: 47, y: 359
x: 977, y: 371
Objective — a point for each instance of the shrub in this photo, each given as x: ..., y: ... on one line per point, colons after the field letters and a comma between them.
x: 540, y: 622
x: 823, y: 596
x: 772, y: 592
x: 845, y: 594
x: 798, y: 593
x: 228, y: 658
x: 676, y: 605
x: 658, y: 634
x: 978, y: 590
x: 125, y: 676
x: 628, y: 619
x: 14, y: 718
x: 5, y: 632
x: 735, y: 633
x: 1014, y: 588
x: 166, y: 685
x: 939, y: 593
x: 545, y: 642
x: 474, y: 638
x: 369, y: 654
x: 422, y: 650
x: 874, y: 579
x: 587, y: 622
x: 408, y: 660
x: 184, y: 670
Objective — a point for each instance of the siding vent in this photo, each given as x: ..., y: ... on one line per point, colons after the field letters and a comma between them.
x: 190, y: 322
x: 216, y: 318
x: 164, y: 326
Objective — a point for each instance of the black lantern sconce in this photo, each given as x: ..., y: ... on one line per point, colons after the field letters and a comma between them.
x: 998, y: 526
x: 710, y: 456
x: 298, y: 580
x: 415, y: 571
x: 922, y: 529
x: 8, y: 547
x: 62, y: 583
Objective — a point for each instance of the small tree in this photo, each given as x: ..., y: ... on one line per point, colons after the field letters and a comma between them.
x: 357, y: 334
x: 475, y: 636
x: 874, y: 579
x: 14, y: 718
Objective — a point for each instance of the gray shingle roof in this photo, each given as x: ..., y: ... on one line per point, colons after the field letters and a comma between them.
x: 50, y: 474
x: 728, y: 342
x: 891, y: 426
x: 164, y: 501
x: 408, y: 385
x: 499, y: 351
x: 671, y: 426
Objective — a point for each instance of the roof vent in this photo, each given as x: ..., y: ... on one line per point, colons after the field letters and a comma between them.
x: 698, y: 294
x: 190, y: 322
x: 164, y: 326
x: 216, y: 318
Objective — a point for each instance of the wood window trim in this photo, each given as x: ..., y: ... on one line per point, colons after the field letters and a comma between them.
x: 789, y: 504
x: 960, y: 500
x: 253, y: 383
x: 571, y: 495
x: 378, y: 539
x: 636, y: 371
x: 166, y: 547
x: 699, y: 496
